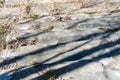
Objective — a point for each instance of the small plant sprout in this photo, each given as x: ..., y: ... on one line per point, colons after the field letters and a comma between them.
x: 49, y: 75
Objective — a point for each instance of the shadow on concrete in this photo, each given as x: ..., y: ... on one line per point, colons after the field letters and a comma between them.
x: 26, y: 71
x: 77, y: 57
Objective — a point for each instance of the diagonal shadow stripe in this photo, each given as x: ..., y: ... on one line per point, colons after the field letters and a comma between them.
x: 39, y: 51
x: 88, y: 52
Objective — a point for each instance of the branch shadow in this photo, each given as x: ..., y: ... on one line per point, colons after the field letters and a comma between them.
x: 39, y: 51
x: 23, y: 72
x: 77, y: 57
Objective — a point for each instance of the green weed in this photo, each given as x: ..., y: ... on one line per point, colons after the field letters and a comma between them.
x: 49, y: 75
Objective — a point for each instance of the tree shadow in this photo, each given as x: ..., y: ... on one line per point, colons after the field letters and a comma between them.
x: 73, y: 66
x: 39, y: 51
x: 25, y: 71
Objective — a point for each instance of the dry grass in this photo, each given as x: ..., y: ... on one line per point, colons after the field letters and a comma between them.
x: 115, y: 11
x: 112, y: 3
x: 84, y: 3
x: 47, y: 29
x: 32, y: 16
x: 14, y: 5
x: 54, y: 9
x: 2, y: 29
x: 2, y: 3
x: 79, y: 4
x: 92, y: 12
x: 109, y: 29
x: 25, y: 9
x: 3, y: 33
x: 20, y: 43
x: 5, y: 28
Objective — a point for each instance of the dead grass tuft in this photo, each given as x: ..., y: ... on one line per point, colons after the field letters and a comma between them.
x: 92, y: 12
x: 109, y: 29
x: 115, y: 11
x: 25, y: 9
x: 2, y: 3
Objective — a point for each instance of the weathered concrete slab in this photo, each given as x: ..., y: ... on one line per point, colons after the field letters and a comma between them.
x: 77, y: 44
